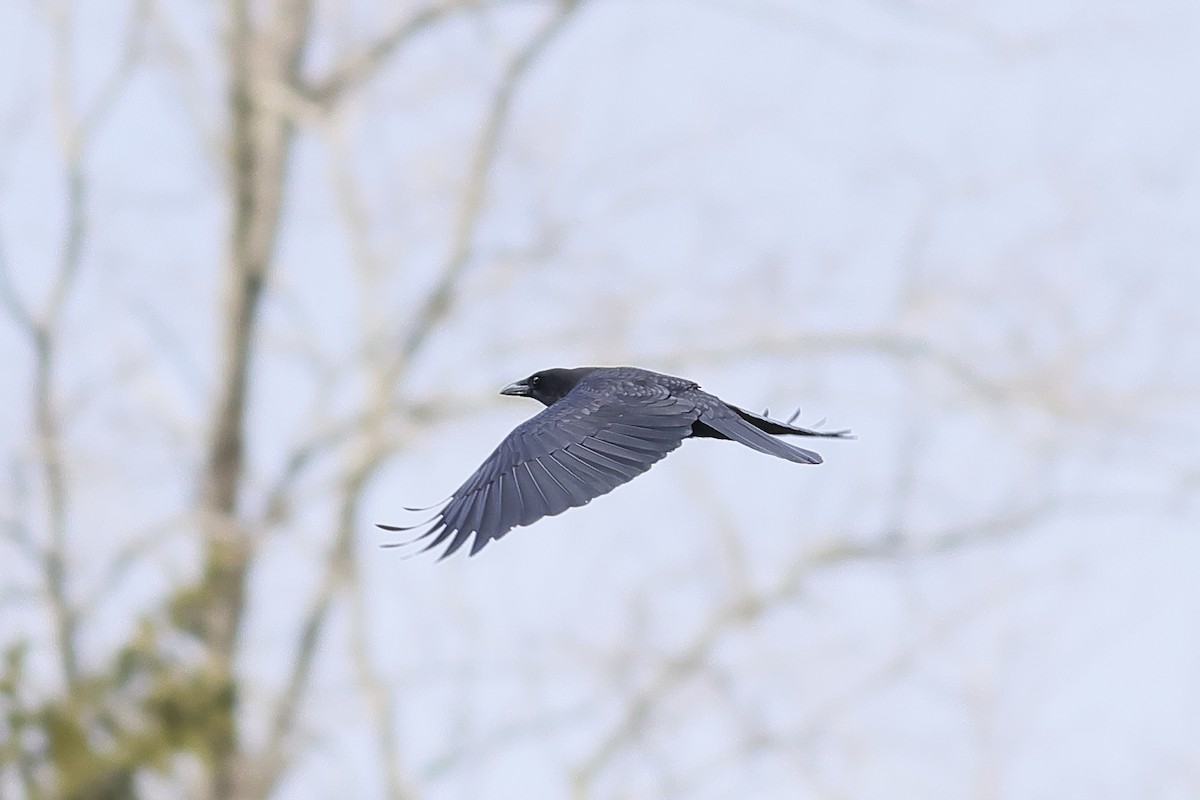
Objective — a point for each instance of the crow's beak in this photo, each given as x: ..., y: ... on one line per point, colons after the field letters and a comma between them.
x: 516, y: 389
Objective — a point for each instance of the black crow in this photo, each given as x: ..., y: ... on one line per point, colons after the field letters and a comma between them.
x: 601, y: 427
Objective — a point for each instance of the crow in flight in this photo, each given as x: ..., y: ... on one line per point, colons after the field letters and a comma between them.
x: 602, y: 426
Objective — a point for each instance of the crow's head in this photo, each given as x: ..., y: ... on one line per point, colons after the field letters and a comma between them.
x: 548, y: 386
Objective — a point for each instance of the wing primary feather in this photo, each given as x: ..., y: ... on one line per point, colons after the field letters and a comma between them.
x: 479, y: 502
x: 477, y: 545
x: 493, y: 524
x: 441, y: 502
x: 441, y: 537
x: 458, y: 541
x: 456, y: 513
x: 512, y: 474
x: 535, y: 504
x: 414, y: 540
x: 404, y: 529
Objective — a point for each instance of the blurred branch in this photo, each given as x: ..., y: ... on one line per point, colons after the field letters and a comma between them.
x: 11, y: 301
x: 17, y: 534
x: 337, y: 572
x: 742, y: 609
x: 431, y: 312
x: 43, y: 328
x: 377, y: 695
x: 130, y: 554
x: 372, y: 447
x: 327, y: 439
x: 437, y: 304
x: 361, y: 65
x: 46, y: 420
x: 513, y: 732
x: 127, y: 63
x: 16, y: 530
x: 182, y: 64
x: 957, y: 25
x: 894, y: 345
x: 838, y: 700
x: 467, y: 220
x: 258, y: 159
x: 340, y: 572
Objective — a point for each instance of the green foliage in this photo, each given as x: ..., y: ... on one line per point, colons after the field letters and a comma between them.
x: 141, y: 710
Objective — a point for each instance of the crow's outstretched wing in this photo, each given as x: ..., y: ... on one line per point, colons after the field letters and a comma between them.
x: 583, y: 446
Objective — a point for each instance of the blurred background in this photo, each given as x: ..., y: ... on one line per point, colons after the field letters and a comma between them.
x: 264, y: 266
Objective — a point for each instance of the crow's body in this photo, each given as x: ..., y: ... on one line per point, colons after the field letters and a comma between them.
x: 602, y: 426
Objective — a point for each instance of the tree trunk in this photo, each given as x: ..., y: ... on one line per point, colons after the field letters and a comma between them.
x: 259, y: 151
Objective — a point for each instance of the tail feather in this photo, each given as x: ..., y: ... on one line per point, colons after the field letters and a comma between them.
x: 784, y: 428
x: 731, y: 425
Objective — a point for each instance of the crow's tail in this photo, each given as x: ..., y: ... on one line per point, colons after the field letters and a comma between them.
x: 774, y: 426
x: 727, y: 422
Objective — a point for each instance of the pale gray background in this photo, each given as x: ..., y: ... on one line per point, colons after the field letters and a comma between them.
x: 968, y: 231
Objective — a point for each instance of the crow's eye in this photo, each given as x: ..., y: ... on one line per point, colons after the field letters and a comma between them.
x: 535, y: 380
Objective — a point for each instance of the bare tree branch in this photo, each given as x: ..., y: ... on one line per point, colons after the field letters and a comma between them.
x: 899, y: 346
x: 437, y: 304
x: 327, y: 439
x: 743, y: 609
x: 377, y: 695
x: 361, y: 65
x: 43, y: 329
x: 182, y: 65
x: 128, y: 62
x: 133, y: 552
x: 372, y: 448
x: 339, y: 571
x: 259, y: 155
x: 47, y: 424
x: 9, y: 298
x: 842, y: 699
x: 470, y: 207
